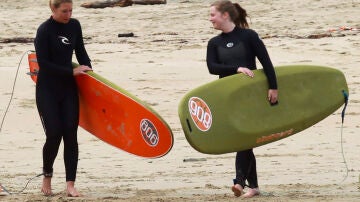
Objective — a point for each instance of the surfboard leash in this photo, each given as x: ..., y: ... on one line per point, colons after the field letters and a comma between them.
x: 4, y: 116
x: 21, y: 191
x: 346, y: 99
x: 13, y: 90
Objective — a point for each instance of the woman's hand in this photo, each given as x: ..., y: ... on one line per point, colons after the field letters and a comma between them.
x: 245, y: 71
x: 273, y: 96
x: 81, y: 69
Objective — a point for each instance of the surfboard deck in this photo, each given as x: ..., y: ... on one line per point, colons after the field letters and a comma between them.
x: 117, y: 117
x: 233, y: 114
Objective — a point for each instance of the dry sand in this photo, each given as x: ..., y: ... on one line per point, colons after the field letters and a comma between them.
x: 164, y: 60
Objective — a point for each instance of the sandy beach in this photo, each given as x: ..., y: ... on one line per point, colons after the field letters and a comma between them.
x: 164, y: 60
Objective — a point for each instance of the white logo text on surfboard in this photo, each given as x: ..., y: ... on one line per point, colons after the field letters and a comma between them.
x: 200, y: 113
x: 149, y: 132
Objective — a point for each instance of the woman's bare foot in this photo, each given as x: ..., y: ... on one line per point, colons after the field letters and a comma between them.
x: 251, y: 193
x: 46, y: 186
x: 70, y: 189
x: 237, y: 189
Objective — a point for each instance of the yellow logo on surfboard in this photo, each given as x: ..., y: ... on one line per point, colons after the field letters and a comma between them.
x: 200, y: 113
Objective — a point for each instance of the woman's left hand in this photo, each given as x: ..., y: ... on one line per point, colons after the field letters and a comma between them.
x: 273, y: 96
x: 245, y: 71
x: 81, y: 69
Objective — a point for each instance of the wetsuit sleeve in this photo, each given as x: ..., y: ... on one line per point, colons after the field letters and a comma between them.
x: 213, y: 63
x: 80, y: 51
x: 264, y: 58
x: 43, y: 57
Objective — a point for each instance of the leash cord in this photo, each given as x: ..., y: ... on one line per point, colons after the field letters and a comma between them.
x: 21, y: 191
x: 3, y: 119
x: 346, y: 98
x: 343, y: 155
x: 12, y: 91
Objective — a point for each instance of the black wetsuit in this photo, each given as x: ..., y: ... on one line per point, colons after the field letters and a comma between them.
x: 56, y: 90
x: 225, y: 54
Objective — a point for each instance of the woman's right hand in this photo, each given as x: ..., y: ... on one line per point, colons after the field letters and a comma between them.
x: 245, y: 71
x: 81, y: 69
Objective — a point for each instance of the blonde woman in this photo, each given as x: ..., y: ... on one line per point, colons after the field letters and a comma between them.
x: 56, y: 91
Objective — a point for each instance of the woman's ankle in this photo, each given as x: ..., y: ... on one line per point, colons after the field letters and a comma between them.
x: 46, y: 186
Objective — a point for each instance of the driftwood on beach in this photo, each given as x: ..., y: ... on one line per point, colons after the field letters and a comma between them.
x: 149, y: 2
x: 330, y: 33
x: 17, y: 40
x: 107, y: 3
x: 120, y: 3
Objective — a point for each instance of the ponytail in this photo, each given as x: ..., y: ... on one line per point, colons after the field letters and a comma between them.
x: 237, y: 14
x: 241, y: 20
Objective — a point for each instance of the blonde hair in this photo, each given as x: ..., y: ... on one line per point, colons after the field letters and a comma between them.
x: 56, y: 3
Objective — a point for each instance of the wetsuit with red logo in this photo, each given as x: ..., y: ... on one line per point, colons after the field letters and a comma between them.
x: 225, y: 54
x: 56, y: 90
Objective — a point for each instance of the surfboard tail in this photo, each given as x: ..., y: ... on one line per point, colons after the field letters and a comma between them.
x: 33, y: 66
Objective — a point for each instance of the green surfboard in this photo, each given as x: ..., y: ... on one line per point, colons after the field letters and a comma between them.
x: 233, y: 114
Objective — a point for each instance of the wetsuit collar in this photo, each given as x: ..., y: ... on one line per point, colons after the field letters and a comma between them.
x: 54, y: 21
x: 232, y: 31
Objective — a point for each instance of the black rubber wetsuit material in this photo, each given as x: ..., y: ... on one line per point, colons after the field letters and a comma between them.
x: 56, y: 90
x: 239, y: 48
x: 225, y: 54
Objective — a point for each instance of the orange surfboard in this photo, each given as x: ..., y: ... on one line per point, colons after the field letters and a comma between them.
x: 115, y: 116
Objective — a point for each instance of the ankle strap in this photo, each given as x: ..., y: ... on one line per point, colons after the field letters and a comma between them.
x: 48, y: 174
